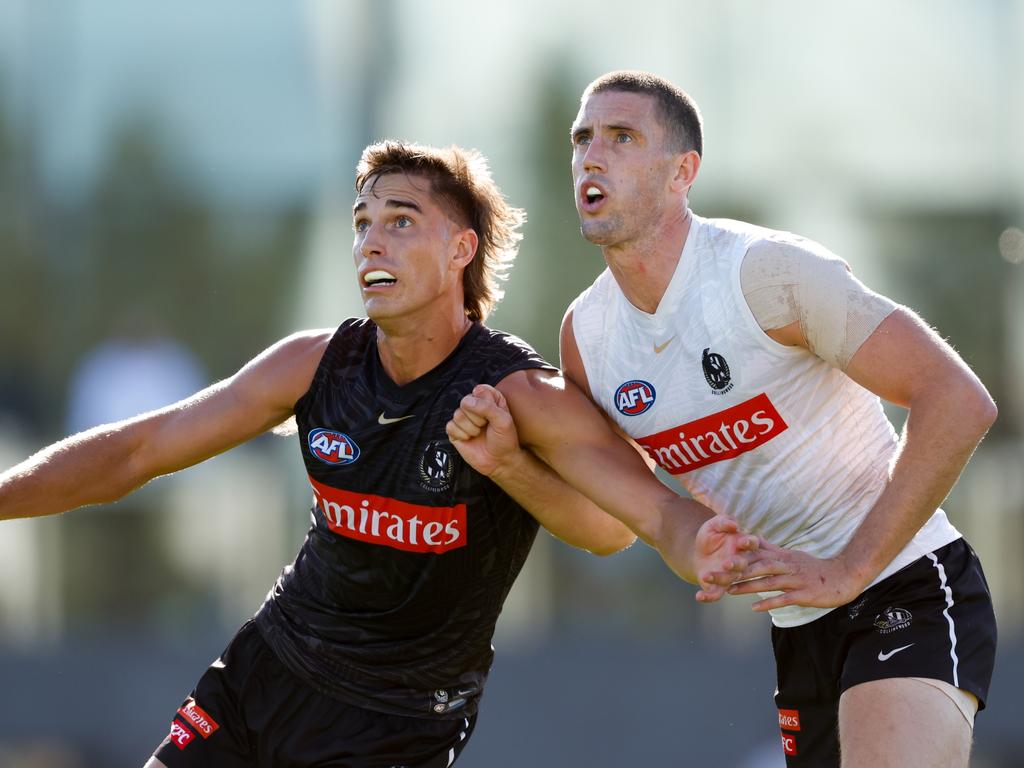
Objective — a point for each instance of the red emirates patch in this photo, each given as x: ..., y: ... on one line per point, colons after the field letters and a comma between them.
x: 198, y: 719
x: 392, y: 523
x: 789, y: 719
x: 720, y: 436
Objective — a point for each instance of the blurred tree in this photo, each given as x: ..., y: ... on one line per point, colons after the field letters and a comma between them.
x: 946, y: 265
x: 24, y: 315
x: 555, y: 263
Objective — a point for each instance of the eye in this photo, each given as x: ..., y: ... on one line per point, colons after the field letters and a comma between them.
x: 623, y: 138
x: 581, y: 139
x: 360, y: 225
x: 402, y: 222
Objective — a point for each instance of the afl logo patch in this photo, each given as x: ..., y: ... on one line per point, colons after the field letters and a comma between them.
x: 634, y: 397
x: 436, y: 466
x: 332, y: 447
x: 716, y: 372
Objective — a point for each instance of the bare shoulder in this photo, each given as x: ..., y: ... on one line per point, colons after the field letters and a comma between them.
x: 285, y: 369
x: 534, y: 385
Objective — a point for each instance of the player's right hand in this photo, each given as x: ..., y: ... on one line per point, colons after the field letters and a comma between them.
x: 482, y: 431
x: 722, y: 555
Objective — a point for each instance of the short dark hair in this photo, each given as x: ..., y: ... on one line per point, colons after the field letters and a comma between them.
x: 678, y: 112
x: 461, y: 180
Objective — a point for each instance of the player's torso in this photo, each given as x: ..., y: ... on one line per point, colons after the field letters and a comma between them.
x: 748, y: 426
x: 411, y: 552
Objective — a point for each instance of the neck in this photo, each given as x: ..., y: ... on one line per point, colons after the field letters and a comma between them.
x: 644, y: 267
x: 410, y: 348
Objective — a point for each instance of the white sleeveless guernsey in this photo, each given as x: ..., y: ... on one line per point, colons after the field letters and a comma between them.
x: 773, y: 436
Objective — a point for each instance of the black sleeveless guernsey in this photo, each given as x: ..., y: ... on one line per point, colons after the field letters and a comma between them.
x: 392, y: 600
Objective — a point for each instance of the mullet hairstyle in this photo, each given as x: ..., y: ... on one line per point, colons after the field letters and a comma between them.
x: 678, y: 112
x: 461, y: 182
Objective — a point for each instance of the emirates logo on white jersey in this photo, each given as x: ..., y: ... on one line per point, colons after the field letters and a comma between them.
x: 720, y: 436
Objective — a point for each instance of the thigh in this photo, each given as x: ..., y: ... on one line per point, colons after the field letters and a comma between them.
x: 902, y: 723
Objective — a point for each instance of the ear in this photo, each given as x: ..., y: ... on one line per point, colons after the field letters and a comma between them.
x: 465, y: 244
x: 687, y: 166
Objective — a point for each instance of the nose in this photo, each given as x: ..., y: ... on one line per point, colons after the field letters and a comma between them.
x: 593, y: 157
x: 370, y: 243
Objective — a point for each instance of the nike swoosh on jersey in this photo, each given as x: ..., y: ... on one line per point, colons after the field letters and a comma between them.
x: 382, y: 419
x: 659, y: 348
x: 883, y: 656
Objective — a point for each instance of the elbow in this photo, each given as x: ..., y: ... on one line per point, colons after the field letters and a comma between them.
x: 980, y: 412
x: 612, y: 546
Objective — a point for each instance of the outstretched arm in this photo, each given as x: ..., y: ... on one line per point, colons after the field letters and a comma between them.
x: 557, y: 422
x: 107, y: 462
x: 905, y: 362
x: 484, y: 434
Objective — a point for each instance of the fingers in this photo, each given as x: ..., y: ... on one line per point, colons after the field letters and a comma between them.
x: 709, y: 594
x: 722, y: 524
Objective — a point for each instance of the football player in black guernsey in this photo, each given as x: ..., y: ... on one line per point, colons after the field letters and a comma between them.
x: 373, y: 647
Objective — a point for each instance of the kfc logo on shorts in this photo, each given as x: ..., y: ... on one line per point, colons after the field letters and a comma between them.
x: 789, y: 719
x: 789, y: 744
x: 634, y: 397
x: 198, y: 719
x: 180, y: 735
x: 332, y: 447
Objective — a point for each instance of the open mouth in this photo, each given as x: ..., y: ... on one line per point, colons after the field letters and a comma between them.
x: 376, y: 277
x: 592, y: 196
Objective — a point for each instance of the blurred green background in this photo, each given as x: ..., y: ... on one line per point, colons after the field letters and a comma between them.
x: 175, y: 195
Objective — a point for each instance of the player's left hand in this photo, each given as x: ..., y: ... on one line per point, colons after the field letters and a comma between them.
x: 801, y: 578
x: 482, y: 431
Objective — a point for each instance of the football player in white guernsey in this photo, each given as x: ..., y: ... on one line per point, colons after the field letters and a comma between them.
x: 749, y: 364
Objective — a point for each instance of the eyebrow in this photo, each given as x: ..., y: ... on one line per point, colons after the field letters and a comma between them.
x: 576, y: 130
x: 390, y: 203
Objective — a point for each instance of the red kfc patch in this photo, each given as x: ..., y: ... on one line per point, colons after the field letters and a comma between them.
x: 180, y: 735
x: 789, y: 744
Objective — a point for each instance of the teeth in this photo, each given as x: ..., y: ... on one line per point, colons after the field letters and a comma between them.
x: 593, y: 193
x: 378, y: 276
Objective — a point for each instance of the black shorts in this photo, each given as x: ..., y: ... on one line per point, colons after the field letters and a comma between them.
x: 249, y: 710
x: 932, y: 619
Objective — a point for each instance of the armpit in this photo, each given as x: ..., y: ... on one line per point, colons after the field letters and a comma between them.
x: 796, y: 280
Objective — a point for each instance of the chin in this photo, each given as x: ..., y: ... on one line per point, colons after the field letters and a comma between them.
x: 598, y: 232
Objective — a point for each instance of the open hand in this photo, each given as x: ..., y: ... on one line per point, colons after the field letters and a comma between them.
x: 802, y: 579
x: 722, y: 555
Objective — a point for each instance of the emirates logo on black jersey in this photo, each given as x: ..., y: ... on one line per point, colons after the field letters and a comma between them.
x: 716, y: 372
x: 437, y: 466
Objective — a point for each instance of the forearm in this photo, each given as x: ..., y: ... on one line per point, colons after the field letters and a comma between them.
x: 93, y: 467
x: 941, y: 432
x: 673, y: 533
x: 559, y: 507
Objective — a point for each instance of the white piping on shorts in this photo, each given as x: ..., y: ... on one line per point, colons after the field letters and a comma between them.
x: 462, y: 737
x: 945, y: 612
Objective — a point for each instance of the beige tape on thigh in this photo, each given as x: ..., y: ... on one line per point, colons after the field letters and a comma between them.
x: 785, y: 281
x: 965, y: 701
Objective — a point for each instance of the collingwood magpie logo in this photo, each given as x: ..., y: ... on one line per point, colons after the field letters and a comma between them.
x: 436, y: 466
x: 892, y: 619
x: 716, y: 372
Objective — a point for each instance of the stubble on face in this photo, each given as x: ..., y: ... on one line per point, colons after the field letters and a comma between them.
x: 636, y: 176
